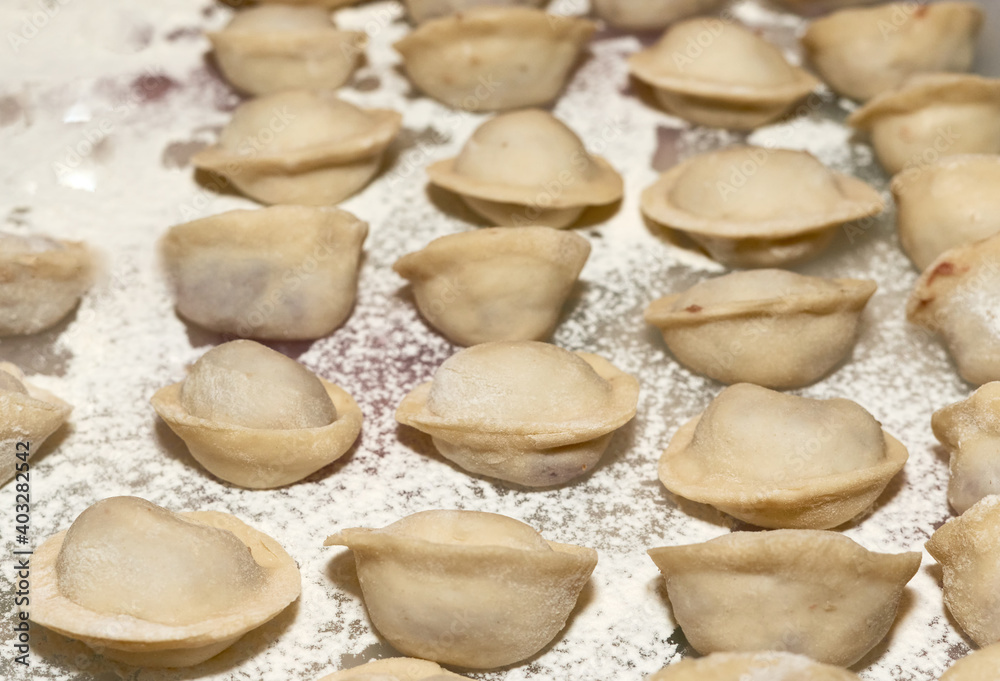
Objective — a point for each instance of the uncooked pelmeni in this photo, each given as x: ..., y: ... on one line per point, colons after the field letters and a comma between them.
x: 970, y: 431
x: 651, y: 15
x: 424, y: 10
x: 301, y: 147
x: 123, y: 580
x: 495, y: 284
x: 512, y: 589
x: 768, y: 666
x: 283, y: 273
x: 28, y: 416
x: 721, y: 74
x: 979, y: 665
x: 526, y: 412
x: 528, y: 168
x: 757, y: 207
x: 812, y: 592
x: 770, y: 327
x: 256, y: 418
x: 395, y: 669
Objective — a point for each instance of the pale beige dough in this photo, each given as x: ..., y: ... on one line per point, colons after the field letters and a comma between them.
x: 649, y: 15
x: 979, y: 665
x: 28, y: 415
x: 768, y: 666
x: 395, y: 669
x: 970, y: 431
x: 425, y: 10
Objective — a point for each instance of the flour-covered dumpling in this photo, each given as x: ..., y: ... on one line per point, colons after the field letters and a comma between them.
x: 511, y: 588
x: 650, y: 15
x: 275, y: 47
x: 301, y: 147
x: 28, y: 416
x: 861, y: 53
x: 494, y: 284
x: 811, y: 592
x: 758, y: 207
x: 395, y: 669
x: 494, y: 58
x: 526, y: 412
x: 41, y: 281
x: 979, y: 665
x: 528, y: 168
x: 735, y: 79
x: 256, y: 418
x: 766, y: 666
x: 425, y: 10
x: 284, y: 272
x: 945, y: 204
x: 778, y: 460
x: 968, y: 549
x: 150, y: 587
x: 932, y: 116
x: 770, y: 327
x: 956, y: 297
x: 970, y: 431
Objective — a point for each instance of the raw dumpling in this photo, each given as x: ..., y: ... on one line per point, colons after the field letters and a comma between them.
x: 650, y: 15
x: 395, y: 669
x: 285, y: 272
x: 768, y: 666
x: 329, y: 4
x: 273, y: 48
x: 528, y: 168
x: 149, y: 587
x: 979, y: 665
x: 946, y: 204
x: 512, y: 589
x: 41, y: 281
x: 28, y: 415
x: 968, y: 549
x: 861, y: 53
x: 970, y: 431
x: 778, y: 460
x: 301, y: 147
x: 731, y: 79
x: 932, y: 116
x: 494, y: 284
x: 494, y: 58
x: 526, y: 412
x: 424, y: 10
x: 770, y: 327
x: 956, y: 296
x: 256, y: 418
x: 810, y: 592
x: 758, y: 207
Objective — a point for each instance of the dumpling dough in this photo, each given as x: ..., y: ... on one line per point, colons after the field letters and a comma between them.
x: 526, y: 412
x: 861, y: 53
x: 256, y: 418
x: 41, y: 281
x: 968, y: 549
x: 494, y: 284
x: 424, y: 10
x: 149, y: 587
x: 770, y: 327
x: 735, y: 80
x: 528, y: 168
x: 979, y: 665
x: 301, y: 147
x: 395, y: 669
x: 810, y: 592
x: 758, y: 207
x: 649, y: 15
x: 769, y: 666
x: 970, y: 431
x: 494, y: 58
x: 284, y: 272
x: 778, y: 460
x: 28, y: 415
x: 513, y: 589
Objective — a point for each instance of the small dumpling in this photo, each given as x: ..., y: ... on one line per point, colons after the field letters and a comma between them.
x: 970, y: 431
x: 758, y: 207
x: 861, y: 53
x: 651, y: 15
x: 272, y: 48
x: 945, y: 204
x: 425, y: 10
x: 956, y: 296
x: 512, y: 589
x: 256, y: 418
x: 494, y: 58
x: 774, y: 328
x: 979, y: 665
x: 526, y: 412
x: 778, y: 460
x: 767, y: 666
x: 153, y: 588
x: 282, y: 273
x: 811, y: 592
x: 395, y: 669
x: 495, y: 284
x: 968, y: 549
x: 41, y: 281
x: 528, y: 168
x: 301, y: 147
x: 932, y: 116
x: 732, y: 78
x: 28, y: 416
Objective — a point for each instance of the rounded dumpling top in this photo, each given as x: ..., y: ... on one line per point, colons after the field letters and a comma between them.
x: 752, y: 285
x: 244, y: 383
x: 16, y: 244
x: 752, y: 666
x: 270, y: 18
x: 126, y: 556
x: 11, y: 383
x: 469, y: 528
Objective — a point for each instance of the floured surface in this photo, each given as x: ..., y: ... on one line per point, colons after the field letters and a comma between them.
x: 130, y: 87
